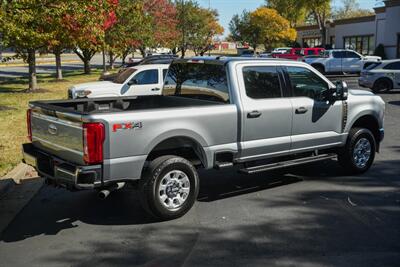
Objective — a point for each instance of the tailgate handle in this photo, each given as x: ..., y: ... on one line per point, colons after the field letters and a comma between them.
x: 155, y: 89
x: 254, y: 114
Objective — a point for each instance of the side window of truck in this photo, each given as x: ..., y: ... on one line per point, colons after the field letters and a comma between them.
x: 146, y: 77
x: 306, y: 83
x: 261, y: 82
x: 338, y: 54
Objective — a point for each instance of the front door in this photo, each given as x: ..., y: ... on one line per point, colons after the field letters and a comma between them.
x: 317, y: 123
x: 266, y: 115
x: 145, y: 82
x: 352, y: 62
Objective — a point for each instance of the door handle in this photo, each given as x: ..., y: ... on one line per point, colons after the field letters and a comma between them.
x: 253, y: 114
x: 155, y: 89
x: 301, y: 110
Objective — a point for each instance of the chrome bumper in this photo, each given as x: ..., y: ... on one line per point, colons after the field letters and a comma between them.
x: 61, y: 172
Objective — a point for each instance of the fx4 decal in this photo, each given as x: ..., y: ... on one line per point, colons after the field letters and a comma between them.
x: 127, y: 126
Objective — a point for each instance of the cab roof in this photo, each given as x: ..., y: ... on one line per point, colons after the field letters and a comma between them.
x: 222, y: 60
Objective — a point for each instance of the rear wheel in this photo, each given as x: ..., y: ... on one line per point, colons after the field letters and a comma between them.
x: 382, y: 85
x: 169, y: 187
x: 359, y: 152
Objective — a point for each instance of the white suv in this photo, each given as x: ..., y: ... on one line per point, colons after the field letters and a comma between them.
x: 381, y: 76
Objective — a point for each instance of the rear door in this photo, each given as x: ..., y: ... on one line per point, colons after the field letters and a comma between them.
x: 335, y: 62
x: 316, y: 123
x: 393, y: 71
x: 266, y: 115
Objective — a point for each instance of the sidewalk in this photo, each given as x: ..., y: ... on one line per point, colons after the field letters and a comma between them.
x: 16, y: 190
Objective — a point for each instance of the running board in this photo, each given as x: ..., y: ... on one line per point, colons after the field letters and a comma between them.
x: 289, y: 163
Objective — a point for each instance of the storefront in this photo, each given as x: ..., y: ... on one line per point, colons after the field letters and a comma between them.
x: 362, y: 34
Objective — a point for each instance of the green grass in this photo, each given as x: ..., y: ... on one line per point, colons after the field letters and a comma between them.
x: 14, y: 102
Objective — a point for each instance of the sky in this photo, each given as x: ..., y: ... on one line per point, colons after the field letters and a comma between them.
x: 227, y: 8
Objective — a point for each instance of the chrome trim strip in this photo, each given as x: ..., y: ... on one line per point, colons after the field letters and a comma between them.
x: 58, y: 146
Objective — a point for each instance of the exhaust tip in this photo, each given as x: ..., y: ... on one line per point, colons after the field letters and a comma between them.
x: 104, y: 194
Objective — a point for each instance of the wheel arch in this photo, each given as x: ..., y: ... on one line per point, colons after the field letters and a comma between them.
x: 369, y: 122
x: 383, y: 79
x: 186, y: 146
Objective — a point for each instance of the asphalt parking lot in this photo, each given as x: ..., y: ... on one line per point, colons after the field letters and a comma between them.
x: 314, y: 215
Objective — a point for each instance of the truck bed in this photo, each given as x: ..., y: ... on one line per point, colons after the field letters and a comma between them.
x: 117, y: 104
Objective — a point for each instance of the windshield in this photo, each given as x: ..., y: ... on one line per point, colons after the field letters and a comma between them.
x: 197, y: 80
x: 122, y: 76
x: 373, y: 65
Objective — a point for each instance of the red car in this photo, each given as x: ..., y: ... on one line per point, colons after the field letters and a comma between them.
x: 298, y: 53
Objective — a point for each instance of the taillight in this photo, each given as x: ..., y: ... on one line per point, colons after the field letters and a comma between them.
x: 93, y: 138
x: 28, y: 123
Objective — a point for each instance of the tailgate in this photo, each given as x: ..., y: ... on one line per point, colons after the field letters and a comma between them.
x: 57, y: 136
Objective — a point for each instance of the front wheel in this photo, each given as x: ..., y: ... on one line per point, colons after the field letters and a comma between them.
x: 359, y: 152
x: 169, y: 187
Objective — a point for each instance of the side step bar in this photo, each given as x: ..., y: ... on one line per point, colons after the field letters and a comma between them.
x: 289, y: 163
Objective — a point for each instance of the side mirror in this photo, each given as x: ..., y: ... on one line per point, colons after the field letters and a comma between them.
x: 132, y: 82
x: 341, y: 90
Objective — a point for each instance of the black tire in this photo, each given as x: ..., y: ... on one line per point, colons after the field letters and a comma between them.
x: 149, y: 187
x: 346, y: 157
x: 319, y: 68
x: 382, y: 85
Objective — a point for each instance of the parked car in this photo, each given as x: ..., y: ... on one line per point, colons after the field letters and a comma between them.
x: 139, y: 80
x: 340, y: 60
x: 281, y: 50
x: 248, y: 53
x: 153, y: 59
x: 255, y: 114
x: 299, y: 53
x: 381, y: 76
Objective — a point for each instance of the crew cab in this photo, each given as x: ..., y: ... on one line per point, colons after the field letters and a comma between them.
x: 255, y: 114
x: 138, y: 80
x: 381, y: 76
x: 340, y: 60
x: 298, y: 53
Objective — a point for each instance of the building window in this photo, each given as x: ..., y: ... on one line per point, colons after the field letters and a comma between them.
x: 332, y: 41
x: 362, y: 44
x: 311, y: 42
x: 398, y: 45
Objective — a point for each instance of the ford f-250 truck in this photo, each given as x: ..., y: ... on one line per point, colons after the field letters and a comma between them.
x: 256, y: 114
x: 340, y: 60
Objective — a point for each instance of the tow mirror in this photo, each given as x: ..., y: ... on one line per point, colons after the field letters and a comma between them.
x: 341, y: 90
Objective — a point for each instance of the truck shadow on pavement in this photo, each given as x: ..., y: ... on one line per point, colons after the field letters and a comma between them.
x: 328, y: 220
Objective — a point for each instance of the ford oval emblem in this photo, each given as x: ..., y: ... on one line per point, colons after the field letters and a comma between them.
x: 52, y: 129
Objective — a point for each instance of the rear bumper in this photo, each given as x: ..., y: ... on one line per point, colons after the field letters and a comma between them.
x: 61, y: 172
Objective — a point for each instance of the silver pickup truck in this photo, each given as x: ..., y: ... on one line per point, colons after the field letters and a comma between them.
x: 256, y: 114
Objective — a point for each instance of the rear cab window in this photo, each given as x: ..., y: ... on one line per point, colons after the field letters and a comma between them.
x: 261, y: 82
x: 204, y: 81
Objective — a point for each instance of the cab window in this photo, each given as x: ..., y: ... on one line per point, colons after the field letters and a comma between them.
x: 306, y: 83
x: 261, y: 82
x: 146, y: 77
x: 350, y: 54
